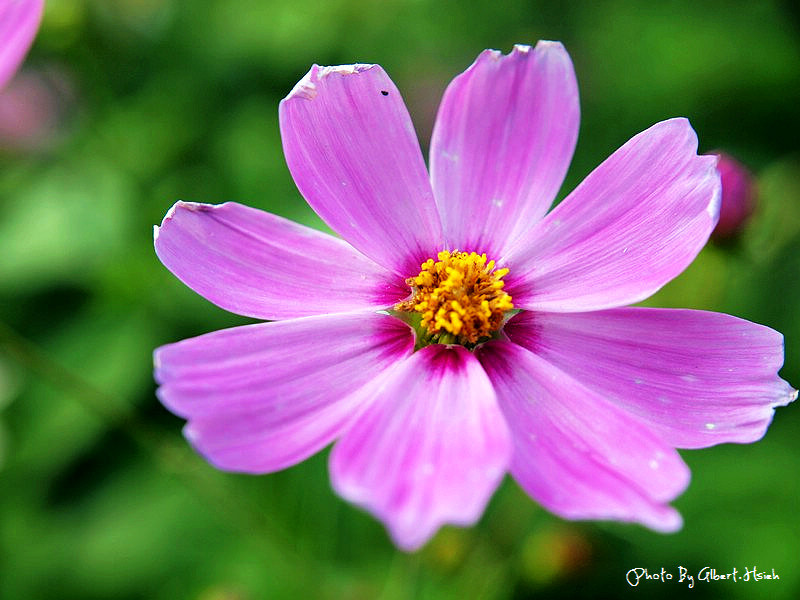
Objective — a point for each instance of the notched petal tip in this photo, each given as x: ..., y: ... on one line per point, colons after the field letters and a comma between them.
x: 551, y: 47
x: 167, y: 218
x: 182, y: 204
x: 670, y: 521
x: 679, y: 125
x: 191, y: 436
x: 306, y: 88
x: 522, y: 49
x: 172, y: 212
x: 198, y: 207
x: 344, y: 69
x: 682, y: 125
x: 790, y: 397
x: 498, y: 55
x: 547, y: 44
x: 488, y: 54
x: 663, y: 519
x: 710, y: 162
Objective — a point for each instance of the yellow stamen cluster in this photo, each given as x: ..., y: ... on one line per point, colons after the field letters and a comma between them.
x: 460, y: 297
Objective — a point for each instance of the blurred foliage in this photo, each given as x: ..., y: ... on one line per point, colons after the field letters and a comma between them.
x: 160, y: 100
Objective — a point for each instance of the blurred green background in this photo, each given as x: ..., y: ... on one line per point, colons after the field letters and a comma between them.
x: 131, y: 105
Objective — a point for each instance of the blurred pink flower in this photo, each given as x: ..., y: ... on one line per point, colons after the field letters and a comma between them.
x: 436, y: 370
x: 34, y: 109
x: 19, y: 21
x: 738, y: 197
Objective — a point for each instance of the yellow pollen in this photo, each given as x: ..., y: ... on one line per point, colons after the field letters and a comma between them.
x: 460, y: 294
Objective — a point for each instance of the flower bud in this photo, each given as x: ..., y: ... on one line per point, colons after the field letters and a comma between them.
x: 35, y: 108
x: 738, y: 197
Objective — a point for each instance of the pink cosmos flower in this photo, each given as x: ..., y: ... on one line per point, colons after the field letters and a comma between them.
x: 19, y: 21
x: 459, y: 331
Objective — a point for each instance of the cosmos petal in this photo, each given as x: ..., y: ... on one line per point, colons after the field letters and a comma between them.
x: 259, y: 398
x: 698, y: 378
x: 430, y: 449
x: 260, y: 265
x: 634, y: 223
x: 577, y: 454
x: 502, y: 142
x: 353, y: 153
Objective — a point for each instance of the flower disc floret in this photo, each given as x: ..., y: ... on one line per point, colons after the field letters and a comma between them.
x: 460, y: 298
